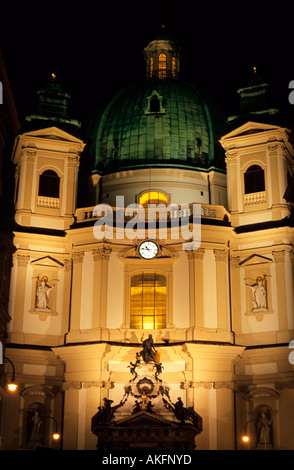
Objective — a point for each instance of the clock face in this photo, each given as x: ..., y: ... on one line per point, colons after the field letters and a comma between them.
x: 148, y: 249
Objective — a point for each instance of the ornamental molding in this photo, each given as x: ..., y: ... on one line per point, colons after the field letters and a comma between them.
x: 23, y: 260
x: 195, y: 254
x: 67, y: 265
x: 77, y: 385
x: 101, y: 254
x: 78, y: 257
x: 279, y: 256
x: 31, y: 155
x: 220, y: 254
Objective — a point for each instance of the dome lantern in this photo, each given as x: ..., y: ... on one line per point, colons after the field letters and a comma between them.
x: 162, y: 57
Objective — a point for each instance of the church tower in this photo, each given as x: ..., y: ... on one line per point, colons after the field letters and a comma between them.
x: 47, y: 162
x: 46, y: 159
x: 259, y: 167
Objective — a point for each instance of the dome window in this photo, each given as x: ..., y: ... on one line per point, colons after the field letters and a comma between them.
x: 153, y: 197
x: 154, y: 105
x: 151, y: 67
x: 254, y: 179
x: 174, y: 67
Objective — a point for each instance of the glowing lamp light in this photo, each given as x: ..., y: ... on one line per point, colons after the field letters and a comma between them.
x: 245, y: 439
x: 12, y: 387
x: 56, y: 436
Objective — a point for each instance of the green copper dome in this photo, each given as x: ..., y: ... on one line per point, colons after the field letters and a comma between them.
x: 160, y: 122
x: 155, y: 123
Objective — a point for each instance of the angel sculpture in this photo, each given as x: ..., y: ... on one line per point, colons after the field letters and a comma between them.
x: 258, y: 293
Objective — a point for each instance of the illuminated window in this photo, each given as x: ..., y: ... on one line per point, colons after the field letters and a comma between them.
x: 49, y: 184
x: 153, y: 197
x: 148, y: 301
x: 173, y: 66
x: 162, y: 66
x: 254, y: 179
x: 151, y: 67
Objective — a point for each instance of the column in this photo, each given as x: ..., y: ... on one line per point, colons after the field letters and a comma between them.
x: 235, y: 294
x: 18, y: 313
x: 66, y: 295
x: 100, y: 282
x: 196, y: 287
x: 279, y: 259
x: 221, y: 258
x: 76, y: 290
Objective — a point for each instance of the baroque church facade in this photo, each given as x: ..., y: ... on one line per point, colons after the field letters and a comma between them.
x: 207, y: 270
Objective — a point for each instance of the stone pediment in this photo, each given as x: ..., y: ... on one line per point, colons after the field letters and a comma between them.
x: 249, y: 128
x: 255, y: 260
x: 47, y: 262
x: 53, y: 133
x: 144, y: 418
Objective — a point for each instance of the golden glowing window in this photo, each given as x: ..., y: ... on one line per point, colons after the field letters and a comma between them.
x: 162, y: 66
x: 148, y: 301
x: 151, y: 67
x: 173, y: 66
x: 153, y: 197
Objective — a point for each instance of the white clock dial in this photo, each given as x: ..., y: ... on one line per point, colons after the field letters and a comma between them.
x: 148, y: 249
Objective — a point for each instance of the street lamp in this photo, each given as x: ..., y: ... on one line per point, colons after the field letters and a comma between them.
x: 245, y: 437
x: 55, y: 434
x: 266, y: 444
x: 11, y: 386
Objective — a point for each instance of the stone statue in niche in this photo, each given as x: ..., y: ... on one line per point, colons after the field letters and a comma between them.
x: 264, y: 430
x: 36, y: 432
x: 259, y: 301
x: 42, y: 295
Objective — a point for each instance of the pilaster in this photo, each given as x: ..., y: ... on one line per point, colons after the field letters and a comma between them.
x: 221, y: 258
x: 77, y: 258
x: 279, y: 260
x: 21, y: 261
x: 101, y: 257
x: 196, y: 287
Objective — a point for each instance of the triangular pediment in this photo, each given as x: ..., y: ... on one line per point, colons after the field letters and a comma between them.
x: 47, y: 262
x: 249, y: 128
x: 255, y: 260
x: 53, y: 133
x: 143, y: 418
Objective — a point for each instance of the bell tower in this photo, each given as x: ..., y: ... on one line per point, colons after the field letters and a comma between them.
x: 46, y: 178
x: 259, y: 160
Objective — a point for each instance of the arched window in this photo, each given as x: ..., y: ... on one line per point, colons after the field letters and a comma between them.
x: 162, y: 66
x: 49, y: 184
x: 148, y: 301
x: 254, y: 179
x: 174, y: 65
x: 153, y: 197
x: 151, y: 67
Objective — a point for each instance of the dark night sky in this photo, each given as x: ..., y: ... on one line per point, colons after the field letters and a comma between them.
x: 95, y: 48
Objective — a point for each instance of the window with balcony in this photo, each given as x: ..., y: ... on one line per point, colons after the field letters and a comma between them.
x: 254, y: 179
x: 49, y: 184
